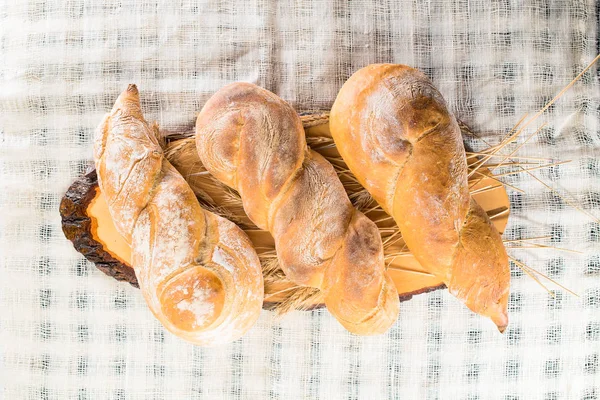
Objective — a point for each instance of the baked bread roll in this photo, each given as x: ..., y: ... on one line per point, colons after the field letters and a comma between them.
x: 393, y: 129
x: 197, y: 271
x: 253, y: 141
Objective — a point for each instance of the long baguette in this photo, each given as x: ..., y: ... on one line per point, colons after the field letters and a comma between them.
x: 393, y: 129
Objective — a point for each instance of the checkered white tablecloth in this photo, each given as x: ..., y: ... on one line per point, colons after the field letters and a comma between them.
x: 69, y: 332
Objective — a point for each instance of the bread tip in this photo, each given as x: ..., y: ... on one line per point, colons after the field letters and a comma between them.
x: 129, y: 100
x: 501, y: 321
x: 132, y: 88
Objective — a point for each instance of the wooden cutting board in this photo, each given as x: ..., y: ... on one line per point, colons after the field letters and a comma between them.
x: 87, y: 223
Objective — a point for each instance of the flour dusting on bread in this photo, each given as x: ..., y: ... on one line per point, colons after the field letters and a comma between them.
x: 203, y: 300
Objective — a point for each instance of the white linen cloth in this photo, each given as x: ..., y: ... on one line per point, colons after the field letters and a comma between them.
x: 67, y: 331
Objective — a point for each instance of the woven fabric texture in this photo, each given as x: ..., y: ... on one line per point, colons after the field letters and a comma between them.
x: 67, y: 331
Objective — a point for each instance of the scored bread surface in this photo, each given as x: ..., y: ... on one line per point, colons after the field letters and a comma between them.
x: 394, y: 131
x: 254, y: 142
x: 198, y: 272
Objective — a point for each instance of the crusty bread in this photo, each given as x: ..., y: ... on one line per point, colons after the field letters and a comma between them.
x: 253, y: 141
x: 198, y: 272
x: 393, y: 129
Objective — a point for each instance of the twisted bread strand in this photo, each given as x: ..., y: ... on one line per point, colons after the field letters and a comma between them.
x: 197, y: 271
x: 254, y: 142
x: 395, y: 133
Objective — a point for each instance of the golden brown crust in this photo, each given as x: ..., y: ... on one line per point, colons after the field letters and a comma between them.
x: 265, y: 169
x: 395, y: 133
x: 361, y: 293
x: 316, y: 195
x: 254, y: 142
x: 198, y: 272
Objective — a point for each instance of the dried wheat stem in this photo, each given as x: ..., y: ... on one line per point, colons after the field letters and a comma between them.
x: 282, y: 291
x: 515, y: 164
x: 520, y: 264
x: 543, y: 246
x: 389, y: 244
x: 498, y: 180
x: 561, y: 93
x: 508, y: 157
x: 386, y: 242
x: 504, y: 211
x: 532, y: 168
x: 527, y: 239
x: 497, y: 148
x: 504, y: 155
x: 594, y: 218
x: 485, y: 189
x: 526, y: 269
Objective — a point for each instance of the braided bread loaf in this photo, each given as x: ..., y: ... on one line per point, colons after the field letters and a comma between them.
x: 393, y: 129
x: 253, y: 141
x: 197, y: 271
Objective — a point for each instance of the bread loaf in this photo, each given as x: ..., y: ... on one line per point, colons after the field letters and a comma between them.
x: 253, y: 141
x: 393, y: 129
x: 197, y: 271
